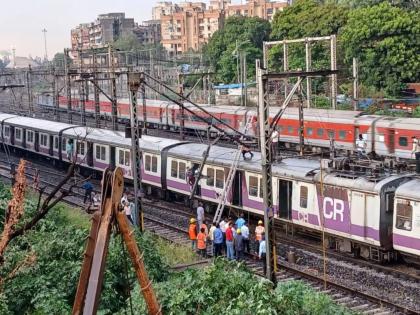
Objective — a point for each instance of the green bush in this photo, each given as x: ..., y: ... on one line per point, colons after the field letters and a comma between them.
x: 230, y: 288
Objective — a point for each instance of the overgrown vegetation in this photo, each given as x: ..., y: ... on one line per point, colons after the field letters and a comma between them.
x: 229, y: 288
x: 41, y: 268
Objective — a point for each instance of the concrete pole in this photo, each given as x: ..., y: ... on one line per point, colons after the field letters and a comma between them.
x: 334, y: 67
x: 285, y: 66
x: 355, y: 84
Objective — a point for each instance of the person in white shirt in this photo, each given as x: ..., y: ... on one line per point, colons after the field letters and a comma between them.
x: 223, y: 225
x: 245, y: 235
x: 274, y: 143
x: 124, y: 199
x: 211, y: 237
x: 127, y: 210
x: 262, y: 254
x: 200, y: 215
x: 361, y: 146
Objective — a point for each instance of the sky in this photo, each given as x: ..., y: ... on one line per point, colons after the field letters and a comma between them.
x: 22, y: 21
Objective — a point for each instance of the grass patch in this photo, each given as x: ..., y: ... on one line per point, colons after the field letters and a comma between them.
x: 174, y: 254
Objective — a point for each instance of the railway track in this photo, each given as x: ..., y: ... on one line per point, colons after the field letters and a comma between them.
x: 171, y: 223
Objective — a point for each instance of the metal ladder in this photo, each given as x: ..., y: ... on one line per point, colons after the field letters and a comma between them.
x: 230, y: 177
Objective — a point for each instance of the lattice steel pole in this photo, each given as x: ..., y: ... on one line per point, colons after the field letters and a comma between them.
x: 68, y: 85
x: 114, y: 104
x: 266, y: 160
x: 96, y: 91
x: 334, y: 67
x: 29, y: 89
x: 135, y: 81
x: 308, y: 60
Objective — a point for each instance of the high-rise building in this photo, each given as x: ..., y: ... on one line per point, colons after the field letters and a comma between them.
x: 164, y: 8
x: 149, y: 32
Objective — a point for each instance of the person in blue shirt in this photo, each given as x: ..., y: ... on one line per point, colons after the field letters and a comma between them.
x: 240, y: 221
x: 88, y: 187
x: 218, y: 241
x: 262, y: 254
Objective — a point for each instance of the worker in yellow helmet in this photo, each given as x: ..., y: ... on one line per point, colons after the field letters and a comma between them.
x: 192, y: 232
x: 259, y: 232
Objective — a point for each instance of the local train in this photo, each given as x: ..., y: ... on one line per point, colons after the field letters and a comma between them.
x: 385, y: 136
x: 377, y: 218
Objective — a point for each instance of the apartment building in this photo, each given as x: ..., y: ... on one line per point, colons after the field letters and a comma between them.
x: 256, y: 8
x: 149, y: 32
x: 189, y: 28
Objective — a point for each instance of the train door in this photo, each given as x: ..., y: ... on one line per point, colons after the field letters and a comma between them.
x: 51, y: 145
x: 237, y: 189
x: 285, y: 199
x: 112, y: 156
x: 391, y: 141
x: 36, y: 141
x: 89, y: 156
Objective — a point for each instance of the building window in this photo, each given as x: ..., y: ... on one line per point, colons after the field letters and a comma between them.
x: 253, y: 186
x: 43, y: 140
x: 30, y: 136
x: 403, y: 141
x: 80, y: 148
x: 100, y: 152
x: 404, y: 216
x: 210, y: 177
x: 220, y: 179
x: 320, y: 132
x: 174, y: 169
x: 124, y: 157
x: 7, y: 131
x: 342, y: 134
x: 270, y: 11
x: 303, y: 197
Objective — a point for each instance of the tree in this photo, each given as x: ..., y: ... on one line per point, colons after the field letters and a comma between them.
x: 220, y: 50
x: 385, y: 40
x: 58, y: 60
x: 306, y: 18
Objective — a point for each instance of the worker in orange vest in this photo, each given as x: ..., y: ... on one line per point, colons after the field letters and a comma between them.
x: 201, y: 242
x: 259, y: 232
x: 192, y: 232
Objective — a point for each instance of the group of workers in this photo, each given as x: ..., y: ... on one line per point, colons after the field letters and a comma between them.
x: 228, y: 237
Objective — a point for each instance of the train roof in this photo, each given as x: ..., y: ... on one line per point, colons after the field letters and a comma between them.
x: 38, y: 124
x: 409, y: 190
x: 221, y: 156
x: 4, y: 116
x: 400, y: 123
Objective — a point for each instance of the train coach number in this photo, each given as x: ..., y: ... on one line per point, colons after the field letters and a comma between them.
x: 333, y: 208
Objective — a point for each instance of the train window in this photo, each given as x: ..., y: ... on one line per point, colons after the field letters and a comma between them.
x: 56, y: 143
x: 220, y: 178
x: 100, y: 152
x: 210, y: 177
x: 30, y: 136
x: 320, y: 132
x: 331, y: 134
x: 303, y: 196
x: 147, y: 162
x: 174, y: 169
x: 290, y: 129
x: 309, y: 131
x: 18, y: 134
x: 342, y: 134
x: 253, y: 186
x: 43, y: 140
x: 404, y: 216
x: 63, y: 144
x: 124, y: 157
x: 181, y: 172
x: 80, y: 148
x: 154, y: 164
x: 261, y: 188
x: 7, y: 131
x: 403, y: 141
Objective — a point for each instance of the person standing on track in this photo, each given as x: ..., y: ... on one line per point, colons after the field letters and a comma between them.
x: 259, y: 231
x: 88, y: 187
x: 211, y: 237
x: 192, y: 232
x: 262, y: 254
x: 127, y: 211
x: 229, y: 242
x: 239, y: 245
x: 200, y: 215
x: 218, y: 241
x: 245, y: 235
x: 240, y: 221
x: 69, y: 149
x: 201, y: 243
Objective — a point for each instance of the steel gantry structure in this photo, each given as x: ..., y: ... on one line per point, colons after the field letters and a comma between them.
x: 266, y: 128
